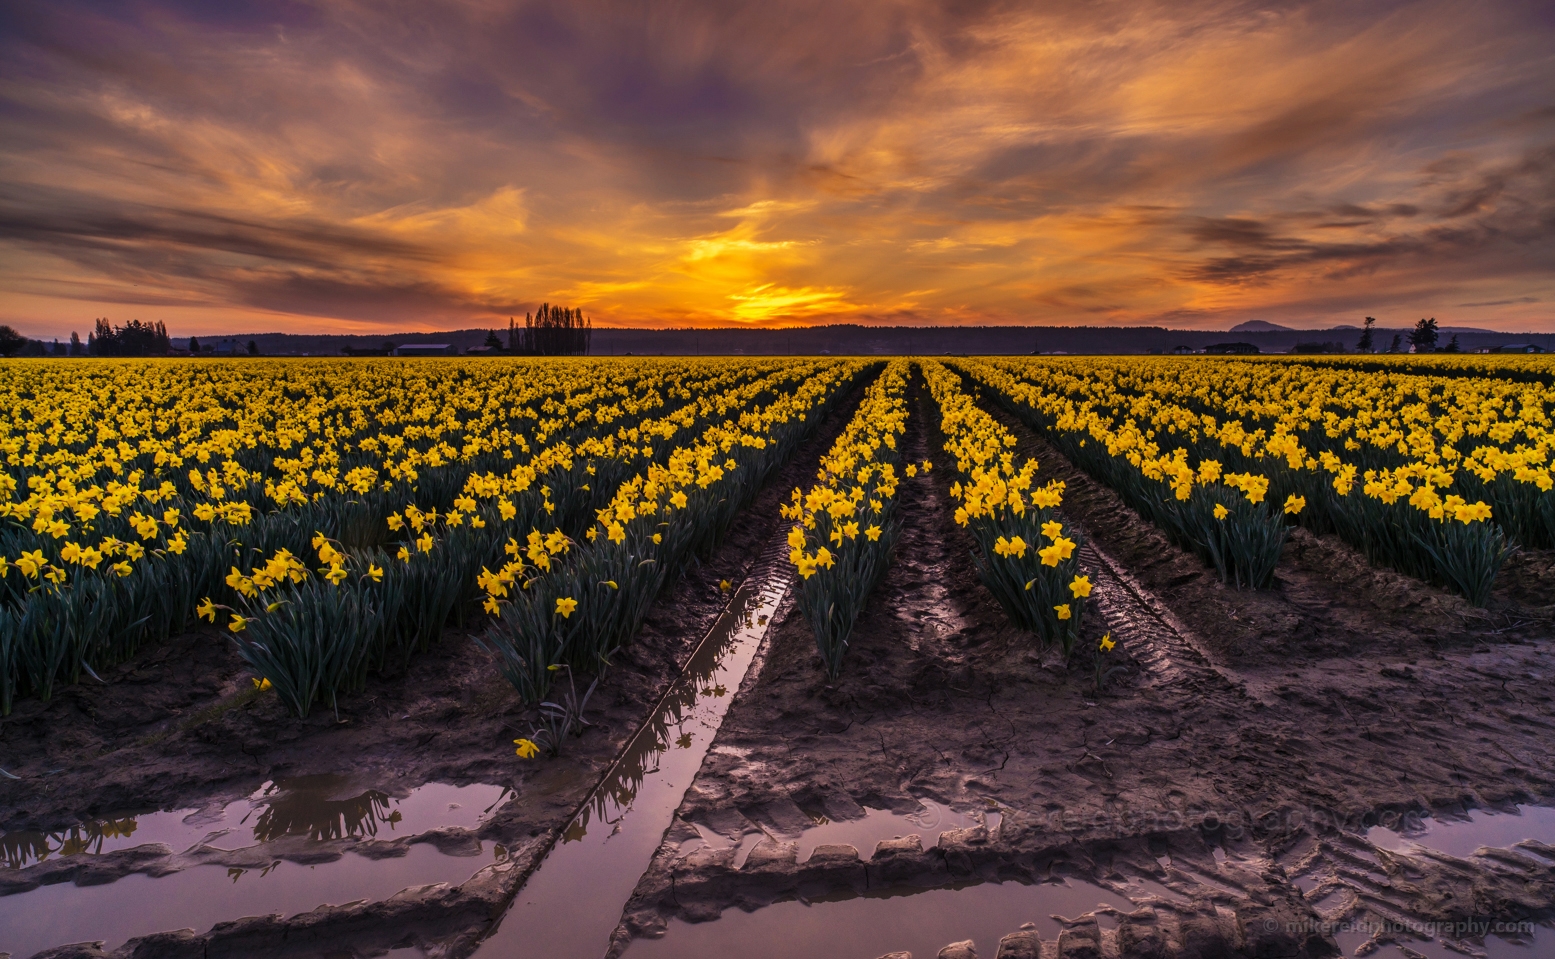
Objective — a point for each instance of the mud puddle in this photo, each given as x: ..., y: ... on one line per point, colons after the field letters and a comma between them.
x: 572, y: 903
x: 862, y: 832
x: 277, y: 851
x: 200, y: 897
x: 910, y: 920
x: 1480, y: 827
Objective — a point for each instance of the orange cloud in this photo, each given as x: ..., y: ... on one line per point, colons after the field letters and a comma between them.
x: 337, y: 168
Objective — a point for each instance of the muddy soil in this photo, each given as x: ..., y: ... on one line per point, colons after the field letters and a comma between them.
x: 182, y: 726
x: 1273, y: 726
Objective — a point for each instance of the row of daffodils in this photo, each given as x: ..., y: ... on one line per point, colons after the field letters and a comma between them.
x: 1433, y: 475
x: 845, y: 527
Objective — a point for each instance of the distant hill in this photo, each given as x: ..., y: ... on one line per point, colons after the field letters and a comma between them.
x: 876, y: 340
x: 1260, y: 326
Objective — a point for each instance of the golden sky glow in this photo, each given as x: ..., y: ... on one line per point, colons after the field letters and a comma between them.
x: 341, y: 166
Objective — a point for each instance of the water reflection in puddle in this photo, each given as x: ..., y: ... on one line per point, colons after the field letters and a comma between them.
x: 312, y: 808
x: 918, y: 921
x: 572, y: 903
x: 200, y: 897
x: 1460, y: 837
x: 318, y: 807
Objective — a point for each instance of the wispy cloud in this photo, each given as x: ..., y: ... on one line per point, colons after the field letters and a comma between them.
x: 329, y: 164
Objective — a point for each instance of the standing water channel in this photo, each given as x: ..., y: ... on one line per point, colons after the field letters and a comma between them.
x: 571, y: 904
x: 288, y: 847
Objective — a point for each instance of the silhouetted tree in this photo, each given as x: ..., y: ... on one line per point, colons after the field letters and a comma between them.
x: 132, y: 339
x: 194, y: 344
x: 493, y: 342
x: 552, y: 331
x: 57, y: 348
x: 1424, y: 336
x: 253, y: 348
x: 1396, y: 345
x: 1364, y: 345
x: 1452, y: 345
x: 76, y: 349
x: 11, y: 342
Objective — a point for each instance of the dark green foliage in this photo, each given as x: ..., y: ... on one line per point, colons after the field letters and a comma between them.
x: 832, y: 600
x: 315, y: 643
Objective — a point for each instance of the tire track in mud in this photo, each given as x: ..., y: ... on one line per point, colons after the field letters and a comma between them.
x: 1158, y: 641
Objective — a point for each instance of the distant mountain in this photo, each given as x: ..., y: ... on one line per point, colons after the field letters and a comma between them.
x: 1259, y: 326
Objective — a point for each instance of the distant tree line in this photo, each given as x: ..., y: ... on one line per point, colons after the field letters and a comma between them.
x: 134, y: 338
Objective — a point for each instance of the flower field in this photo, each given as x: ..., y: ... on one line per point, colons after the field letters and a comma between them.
x: 290, y: 499
x: 1438, y: 476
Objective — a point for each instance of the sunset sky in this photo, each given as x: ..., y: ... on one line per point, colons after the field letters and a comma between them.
x: 357, y: 167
